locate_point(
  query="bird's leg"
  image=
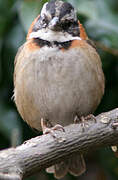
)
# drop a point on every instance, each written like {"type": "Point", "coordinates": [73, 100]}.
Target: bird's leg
{"type": "Point", "coordinates": [49, 129]}
{"type": "Point", "coordinates": [84, 123]}
{"type": "Point", "coordinates": [83, 120]}
{"type": "Point", "coordinates": [76, 119]}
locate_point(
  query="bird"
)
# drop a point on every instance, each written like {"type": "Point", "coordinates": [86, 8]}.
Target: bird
{"type": "Point", "coordinates": [57, 76]}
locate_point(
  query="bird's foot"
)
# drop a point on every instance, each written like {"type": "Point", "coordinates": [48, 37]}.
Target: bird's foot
{"type": "Point", "coordinates": [83, 120]}
{"type": "Point", "coordinates": [84, 123]}
{"type": "Point", "coordinates": [90, 117]}
{"type": "Point", "coordinates": [51, 130]}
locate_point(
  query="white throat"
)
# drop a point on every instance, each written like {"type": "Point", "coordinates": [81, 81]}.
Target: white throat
{"type": "Point", "coordinates": [49, 35]}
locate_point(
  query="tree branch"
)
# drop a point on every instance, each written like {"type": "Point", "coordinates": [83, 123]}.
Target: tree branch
{"type": "Point", "coordinates": [43, 151]}
{"type": "Point", "coordinates": [112, 51]}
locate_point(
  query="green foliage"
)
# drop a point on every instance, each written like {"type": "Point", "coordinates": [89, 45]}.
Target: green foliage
{"type": "Point", "coordinates": [101, 21]}
{"type": "Point", "coordinates": [100, 18]}
{"type": "Point", "coordinates": [29, 9]}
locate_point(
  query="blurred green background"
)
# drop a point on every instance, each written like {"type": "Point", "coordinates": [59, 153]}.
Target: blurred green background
{"type": "Point", "coordinates": [100, 18]}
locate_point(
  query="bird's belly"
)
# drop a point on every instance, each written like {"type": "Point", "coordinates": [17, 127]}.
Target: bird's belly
{"type": "Point", "coordinates": [58, 88]}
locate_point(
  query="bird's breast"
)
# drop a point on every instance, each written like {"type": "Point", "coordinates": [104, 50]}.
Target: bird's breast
{"type": "Point", "coordinates": [57, 85]}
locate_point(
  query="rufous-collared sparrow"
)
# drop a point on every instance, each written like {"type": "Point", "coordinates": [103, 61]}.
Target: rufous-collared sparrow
{"type": "Point", "coordinates": [58, 75]}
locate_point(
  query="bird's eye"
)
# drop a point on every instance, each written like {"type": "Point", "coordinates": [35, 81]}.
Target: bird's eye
{"type": "Point", "coordinates": [44, 22]}
{"type": "Point", "coordinates": [44, 19]}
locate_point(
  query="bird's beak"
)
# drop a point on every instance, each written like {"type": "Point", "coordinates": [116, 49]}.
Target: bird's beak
{"type": "Point", "coordinates": [54, 24]}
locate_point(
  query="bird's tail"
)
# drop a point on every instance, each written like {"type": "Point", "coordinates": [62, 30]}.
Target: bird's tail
{"type": "Point", "coordinates": [75, 166]}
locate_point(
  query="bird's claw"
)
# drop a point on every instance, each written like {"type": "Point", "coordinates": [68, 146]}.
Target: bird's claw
{"type": "Point", "coordinates": [83, 120]}
{"type": "Point", "coordinates": [51, 130]}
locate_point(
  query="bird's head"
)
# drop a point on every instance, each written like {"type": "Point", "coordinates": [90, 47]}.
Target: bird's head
{"type": "Point", "coordinates": [56, 16]}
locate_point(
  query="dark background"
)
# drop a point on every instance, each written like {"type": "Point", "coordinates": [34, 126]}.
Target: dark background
{"type": "Point", "coordinates": [100, 18]}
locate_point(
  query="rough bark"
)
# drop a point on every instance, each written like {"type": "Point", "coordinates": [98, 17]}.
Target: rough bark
{"type": "Point", "coordinates": [42, 151]}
